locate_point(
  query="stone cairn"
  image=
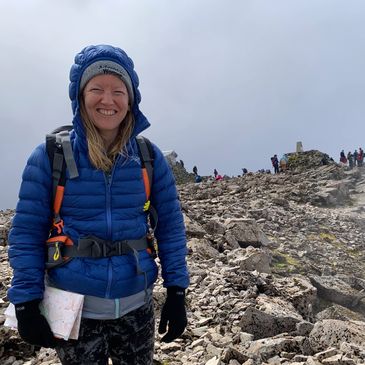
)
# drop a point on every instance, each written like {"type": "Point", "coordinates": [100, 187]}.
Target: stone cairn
{"type": "Point", "coordinates": [277, 272]}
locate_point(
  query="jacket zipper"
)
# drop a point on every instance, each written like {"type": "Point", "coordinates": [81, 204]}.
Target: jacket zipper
{"type": "Point", "coordinates": [108, 184]}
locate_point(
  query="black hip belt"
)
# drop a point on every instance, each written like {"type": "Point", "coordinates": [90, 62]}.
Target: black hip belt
{"type": "Point", "coordinates": [96, 247]}
{"type": "Point", "coordinates": [61, 249]}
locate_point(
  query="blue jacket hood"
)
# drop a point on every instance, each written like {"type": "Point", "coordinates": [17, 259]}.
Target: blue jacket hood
{"type": "Point", "coordinates": [85, 58]}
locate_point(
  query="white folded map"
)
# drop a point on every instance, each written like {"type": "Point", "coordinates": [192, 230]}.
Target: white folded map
{"type": "Point", "coordinates": [61, 308]}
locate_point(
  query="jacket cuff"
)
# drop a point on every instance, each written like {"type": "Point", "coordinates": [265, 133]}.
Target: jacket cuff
{"type": "Point", "coordinates": [175, 290]}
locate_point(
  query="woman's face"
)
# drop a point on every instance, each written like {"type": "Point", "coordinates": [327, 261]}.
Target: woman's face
{"type": "Point", "coordinates": [106, 104]}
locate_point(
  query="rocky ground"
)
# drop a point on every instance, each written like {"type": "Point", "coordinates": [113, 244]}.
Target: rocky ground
{"type": "Point", "coordinates": [277, 271]}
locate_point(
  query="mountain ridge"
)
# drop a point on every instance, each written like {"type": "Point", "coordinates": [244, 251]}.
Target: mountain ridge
{"type": "Point", "coordinates": [277, 270]}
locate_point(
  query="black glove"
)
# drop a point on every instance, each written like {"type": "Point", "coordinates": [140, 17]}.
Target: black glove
{"type": "Point", "coordinates": [33, 326]}
{"type": "Point", "coordinates": [173, 314]}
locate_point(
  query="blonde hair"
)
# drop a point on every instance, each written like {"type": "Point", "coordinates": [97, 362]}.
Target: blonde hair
{"type": "Point", "coordinates": [100, 158]}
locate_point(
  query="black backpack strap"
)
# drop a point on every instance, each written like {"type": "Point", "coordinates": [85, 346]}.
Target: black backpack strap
{"type": "Point", "coordinates": [63, 139]}
{"type": "Point", "coordinates": [60, 155]}
{"type": "Point", "coordinates": [145, 154]}
{"type": "Point", "coordinates": [56, 160]}
{"type": "Point", "coordinates": [145, 150]}
{"type": "Point", "coordinates": [59, 151]}
{"type": "Point", "coordinates": [67, 128]}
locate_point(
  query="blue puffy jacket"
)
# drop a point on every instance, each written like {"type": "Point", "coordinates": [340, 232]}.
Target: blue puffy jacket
{"type": "Point", "coordinates": [107, 206]}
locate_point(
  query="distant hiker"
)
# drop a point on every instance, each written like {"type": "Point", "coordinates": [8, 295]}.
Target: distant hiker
{"type": "Point", "coordinates": [284, 162]}
{"type": "Point", "coordinates": [100, 246]}
{"type": "Point", "coordinates": [195, 170]}
{"type": "Point", "coordinates": [275, 163]}
{"type": "Point", "coordinates": [343, 158]}
{"type": "Point", "coordinates": [350, 159]}
{"type": "Point", "coordinates": [215, 173]}
{"type": "Point", "coordinates": [355, 157]}
{"type": "Point", "coordinates": [244, 171]}
{"type": "Point", "coordinates": [360, 157]}
{"type": "Point", "coordinates": [218, 177]}
{"type": "Point", "coordinates": [198, 178]}
{"type": "Point", "coordinates": [182, 163]}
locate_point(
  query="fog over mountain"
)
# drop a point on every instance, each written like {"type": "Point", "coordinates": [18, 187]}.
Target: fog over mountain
{"type": "Point", "coordinates": [224, 84]}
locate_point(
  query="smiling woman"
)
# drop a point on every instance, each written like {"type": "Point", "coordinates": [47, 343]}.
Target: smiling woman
{"type": "Point", "coordinates": [106, 104]}
{"type": "Point", "coordinates": [105, 110]}
{"type": "Point", "coordinates": [105, 221]}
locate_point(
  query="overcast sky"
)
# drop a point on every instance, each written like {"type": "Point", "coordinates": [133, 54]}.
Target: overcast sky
{"type": "Point", "coordinates": [226, 84]}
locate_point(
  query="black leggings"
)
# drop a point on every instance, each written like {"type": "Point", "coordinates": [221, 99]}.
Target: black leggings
{"type": "Point", "coordinates": [128, 340]}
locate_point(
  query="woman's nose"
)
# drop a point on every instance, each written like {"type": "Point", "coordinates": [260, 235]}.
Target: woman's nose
{"type": "Point", "coordinates": [107, 97]}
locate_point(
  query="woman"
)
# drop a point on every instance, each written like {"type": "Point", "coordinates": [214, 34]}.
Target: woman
{"type": "Point", "coordinates": [105, 201]}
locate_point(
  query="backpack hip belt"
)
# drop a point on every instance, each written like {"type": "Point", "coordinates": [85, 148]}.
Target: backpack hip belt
{"type": "Point", "coordinates": [60, 249]}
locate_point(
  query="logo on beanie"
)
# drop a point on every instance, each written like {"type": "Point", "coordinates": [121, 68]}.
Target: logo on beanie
{"type": "Point", "coordinates": [109, 69]}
